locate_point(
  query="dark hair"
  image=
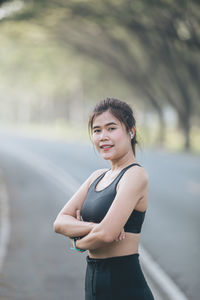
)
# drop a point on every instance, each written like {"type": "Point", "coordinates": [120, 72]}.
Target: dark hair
{"type": "Point", "coordinates": [121, 110]}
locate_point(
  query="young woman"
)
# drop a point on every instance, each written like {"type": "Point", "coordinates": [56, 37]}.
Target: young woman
{"type": "Point", "coordinates": [105, 215]}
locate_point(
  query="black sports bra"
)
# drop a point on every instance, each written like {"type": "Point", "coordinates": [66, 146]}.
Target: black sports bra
{"type": "Point", "coordinates": [97, 204]}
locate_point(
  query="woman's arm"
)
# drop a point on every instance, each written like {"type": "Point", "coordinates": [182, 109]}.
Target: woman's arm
{"type": "Point", "coordinates": [71, 227]}
{"type": "Point", "coordinates": [119, 238]}
{"type": "Point", "coordinates": [66, 222]}
{"type": "Point", "coordinates": [95, 239]}
{"type": "Point", "coordinates": [125, 201]}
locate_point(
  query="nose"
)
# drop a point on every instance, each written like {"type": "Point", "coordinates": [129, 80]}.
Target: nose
{"type": "Point", "coordinates": [103, 135]}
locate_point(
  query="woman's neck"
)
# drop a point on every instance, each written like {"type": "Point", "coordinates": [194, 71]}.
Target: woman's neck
{"type": "Point", "coordinates": [123, 162]}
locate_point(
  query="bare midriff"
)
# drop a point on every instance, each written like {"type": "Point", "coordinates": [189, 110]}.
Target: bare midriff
{"type": "Point", "coordinates": [129, 245]}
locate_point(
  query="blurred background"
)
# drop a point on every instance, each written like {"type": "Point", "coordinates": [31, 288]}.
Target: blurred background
{"type": "Point", "coordinates": [57, 59]}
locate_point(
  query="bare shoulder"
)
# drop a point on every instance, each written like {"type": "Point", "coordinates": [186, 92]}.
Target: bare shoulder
{"type": "Point", "coordinates": [137, 175]}
{"type": "Point", "coordinates": [141, 172]}
{"type": "Point", "coordinates": [96, 174]}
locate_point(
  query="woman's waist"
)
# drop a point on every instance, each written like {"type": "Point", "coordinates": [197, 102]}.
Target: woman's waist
{"type": "Point", "coordinates": [127, 246]}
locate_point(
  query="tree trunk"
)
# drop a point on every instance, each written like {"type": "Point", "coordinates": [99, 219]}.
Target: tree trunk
{"type": "Point", "coordinates": [161, 135]}
{"type": "Point", "coordinates": [186, 128]}
{"type": "Point", "coordinates": [184, 120]}
{"type": "Point", "coordinates": [162, 131]}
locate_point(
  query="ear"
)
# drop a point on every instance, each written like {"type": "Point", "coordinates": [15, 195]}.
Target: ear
{"type": "Point", "coordinates": [133, 130]}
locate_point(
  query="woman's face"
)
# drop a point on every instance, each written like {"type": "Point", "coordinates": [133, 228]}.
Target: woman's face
{"type": "Point", "coordinates": [110, 137]}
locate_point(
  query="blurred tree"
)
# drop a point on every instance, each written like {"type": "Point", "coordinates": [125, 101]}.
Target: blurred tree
{"type": "Point", "coordinates": [153, 45]}
{"type": "Point", "coordinates": [167, 35]}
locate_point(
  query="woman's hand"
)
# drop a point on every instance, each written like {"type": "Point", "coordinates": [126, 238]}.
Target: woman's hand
{"type": "Point", "coordinates": [78, 217]}
{"type": "Point", "coordinates": [121, 236]}
{"type": "Point", "coordinates": [78, 214]}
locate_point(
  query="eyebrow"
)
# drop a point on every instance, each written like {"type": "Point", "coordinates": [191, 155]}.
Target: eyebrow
{"type": "Point", "coordinates": [108, 124]}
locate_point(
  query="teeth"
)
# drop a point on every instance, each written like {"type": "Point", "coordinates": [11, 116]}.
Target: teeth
{"type": "Point", "coordinates": [106, 147]}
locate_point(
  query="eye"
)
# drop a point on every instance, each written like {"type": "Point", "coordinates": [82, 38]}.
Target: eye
{"type": "Point", "coordinates": [111, 128]}
{"type": "Point", "coordinates": [96, 130]}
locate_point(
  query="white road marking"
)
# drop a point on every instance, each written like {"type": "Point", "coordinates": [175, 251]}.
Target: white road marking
{"type": "Point", "coordinates": [56, 175]}
{"type": "Point", "coordinates": [67, 184]}
{"type": "Point", "coordinates": [160, 278]}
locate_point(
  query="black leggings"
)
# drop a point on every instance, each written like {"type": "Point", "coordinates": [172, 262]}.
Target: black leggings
{"type": "Point", "coordinates": [116, 278]}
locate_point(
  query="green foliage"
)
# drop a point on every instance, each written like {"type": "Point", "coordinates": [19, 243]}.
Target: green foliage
{"type": "Point", "coordinates": [151, 47]}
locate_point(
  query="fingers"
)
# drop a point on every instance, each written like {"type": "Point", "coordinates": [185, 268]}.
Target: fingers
{"type": "Point", "coordinates": [78, 214]}
{"type": "Point", "coordinates": [121, 236]}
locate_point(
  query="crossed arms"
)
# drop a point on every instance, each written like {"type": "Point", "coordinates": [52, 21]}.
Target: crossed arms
{"type": "Point", "coordinates": [110, 229]}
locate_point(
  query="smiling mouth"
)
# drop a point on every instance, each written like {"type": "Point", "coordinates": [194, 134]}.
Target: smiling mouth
{"type": "Point", "coordinates": [106, 147]}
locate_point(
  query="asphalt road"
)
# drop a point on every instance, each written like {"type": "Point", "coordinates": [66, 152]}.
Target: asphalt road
{"type": "Point", "coordinates": [39, 263]}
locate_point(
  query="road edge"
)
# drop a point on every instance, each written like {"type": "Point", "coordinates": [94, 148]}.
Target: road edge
{"type": "Point", "coordinates": [5, 226]}
{"type": "Point", "coordinates": [159, 279]}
